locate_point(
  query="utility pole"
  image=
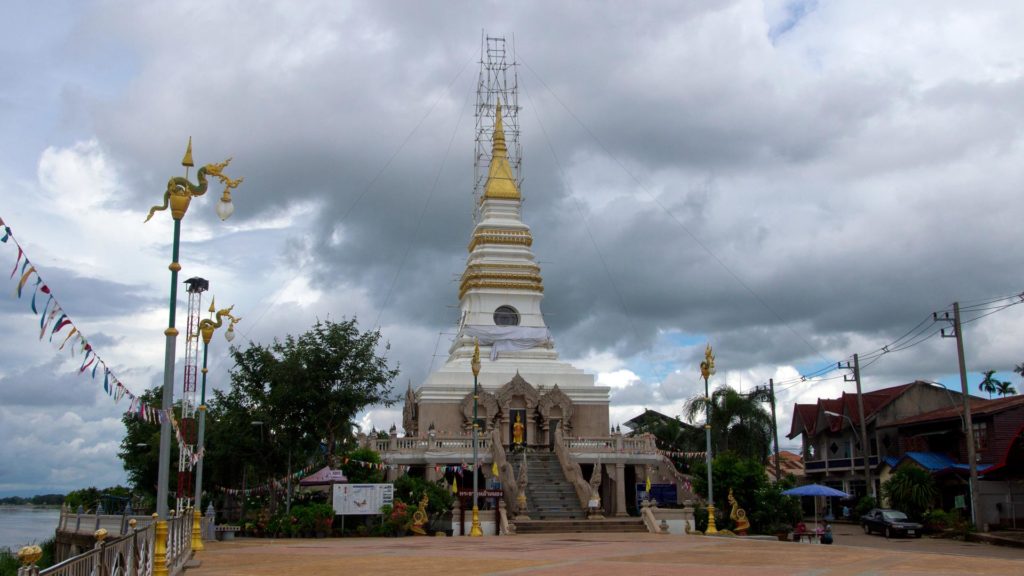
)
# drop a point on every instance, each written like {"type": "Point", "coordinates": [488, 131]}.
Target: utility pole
{"type": "Point", "coordinates": [760, 392]}
{"type": "Point", "coordinates": [968, 422]}
{"type": "Point", "coordinates": [865, 449]}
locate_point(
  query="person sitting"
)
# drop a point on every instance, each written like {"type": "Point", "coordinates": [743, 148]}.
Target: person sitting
{"type": "Point", "coordinates": [826, 537]}
{"type": "Point", "coordinates": [799, 531]}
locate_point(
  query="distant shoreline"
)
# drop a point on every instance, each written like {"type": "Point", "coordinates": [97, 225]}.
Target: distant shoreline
{"type": "Point", "coordinates": [48, 506]}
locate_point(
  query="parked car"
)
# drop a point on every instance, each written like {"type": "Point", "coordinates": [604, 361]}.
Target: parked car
{"type": "Point", "coordinates": [890, 523]}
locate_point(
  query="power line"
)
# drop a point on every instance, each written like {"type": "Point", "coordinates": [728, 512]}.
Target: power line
{"type": "Point", "coordinates": [583, 217]}
{"type": "Point", "coordinates": [423, 211]}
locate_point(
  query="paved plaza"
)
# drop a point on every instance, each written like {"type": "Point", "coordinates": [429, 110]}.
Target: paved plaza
{"type": "Point", "coordinates": [593, 554]}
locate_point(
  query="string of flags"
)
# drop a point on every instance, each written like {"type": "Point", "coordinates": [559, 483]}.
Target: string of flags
{"type": "Point", "coordinates": [454, 469]}
{"type": "Point", "coordinates": [61, 331]}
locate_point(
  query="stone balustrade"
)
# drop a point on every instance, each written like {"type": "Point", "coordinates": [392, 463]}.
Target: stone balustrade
{"type": "Point", "coordinates": [615, 443]}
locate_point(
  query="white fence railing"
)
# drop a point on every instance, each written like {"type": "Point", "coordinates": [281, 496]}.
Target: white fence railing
{"type": "Point", "coordinates": [128, 555]}
{"type": "Point", "coordinates": [135, 553]}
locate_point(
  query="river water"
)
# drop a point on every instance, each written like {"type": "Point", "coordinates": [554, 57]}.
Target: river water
{"type": "Point", "coordinates": [22, 525]}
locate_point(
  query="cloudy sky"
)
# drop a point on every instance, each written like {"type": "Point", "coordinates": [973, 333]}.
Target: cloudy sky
{"type": "Point", "coordinates": [794, 182]}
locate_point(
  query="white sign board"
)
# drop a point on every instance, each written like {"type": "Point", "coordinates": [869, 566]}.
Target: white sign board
{"type": "Point", "coordinates": [354, 499]}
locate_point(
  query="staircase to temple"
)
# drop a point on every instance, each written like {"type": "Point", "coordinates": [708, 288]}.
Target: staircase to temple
{"type": "Point", "coordinates": [548, 494]}
{"type": "Point", "coordinates": [629, 524]}
{"type": "Point", "coordinates": [553, 506]}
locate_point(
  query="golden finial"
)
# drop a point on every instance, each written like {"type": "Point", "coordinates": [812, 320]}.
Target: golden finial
{"type": "Point", "coordinates": [213, 307]}
{"type": "Point", "coordinates": [499, 131]}
{"type": "Point", "coordinates": [187, 160]}
{"type": "Point", "coordinates": [29, 555]}
{"type": "Point", "coordinates": [500, 182]}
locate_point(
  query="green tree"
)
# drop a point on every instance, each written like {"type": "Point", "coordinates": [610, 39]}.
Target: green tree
{"type": "Point", "coordinates": [140, 447]}
{"type": "Point", "coordinates": [313, 386]}
{"type": "Point", "coordinates": [355, 469]}
{"type": "Point", "coordinates": [745, 476]}
{"type": "Point", "coordinates": [739, 423]}
{"type": "Point", "coordinates": [910, 490]}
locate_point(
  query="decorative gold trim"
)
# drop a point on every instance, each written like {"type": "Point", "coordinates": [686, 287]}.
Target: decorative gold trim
{"type": "Point", "coordinates": [472, 267]}
{"type": "Point", "coordinates": [525, 281]}
{"type": "Point", "coordinates": [494, 236]}
{"type": "Point", "coordinates": [506, 285]}
{"type": "Point", "coordinates": [174, 267]}
{"type": "Point", "coordinates": [171, 332]}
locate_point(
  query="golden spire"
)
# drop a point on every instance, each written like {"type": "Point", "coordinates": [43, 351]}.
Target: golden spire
{"type": "Point", "coordinates": [187, 160]}
{"type": "Point", "coordinates": [500, 181]}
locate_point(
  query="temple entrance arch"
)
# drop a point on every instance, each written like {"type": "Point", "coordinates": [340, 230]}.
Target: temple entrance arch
{"type": "Point", "coordinates": [518, 395]}
{"type": "Point", "coordinates": [486, 408]}
{"type": "Point", "coordinates": [555, 409]}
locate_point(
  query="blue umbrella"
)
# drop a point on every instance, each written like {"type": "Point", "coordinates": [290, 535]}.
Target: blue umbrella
{"type": "Point", "coordinates": [815, 490]}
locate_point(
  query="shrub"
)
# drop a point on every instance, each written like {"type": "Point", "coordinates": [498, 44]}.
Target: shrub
{"type": "Point", "coordinates": [864, 505]}
{"type": "Point", "coordinates": [700, 519]}
{"type": "Point", "coordinates": [910, 490]}
{"type": "Point", "coordinates": [396, 518]}
{"type": "Point", "coordinates": [772, 510]}
{"type": "Point", "coordinates": [412, 488]}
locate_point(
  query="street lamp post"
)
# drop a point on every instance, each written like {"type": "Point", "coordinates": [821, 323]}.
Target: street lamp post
{"type": "Point", "coordinates": [475, 529]}
{"type": "Point", "coordinates": [206, 330]}
{"type": "Point", "coordinates": [869, 487]}
{"type": "Point", "coordinates": [707, 369]}
{"type": "Point", "coordinates": [178, 195]}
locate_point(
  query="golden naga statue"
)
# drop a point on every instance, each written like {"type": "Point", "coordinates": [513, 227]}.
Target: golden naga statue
{"type": "Point", "coordinates": [517, 431]}
{"type": "Point", "coordinates": [181, 189]}
{"type": "Point", "coordinates": [207, 326]}
{"type": "Point", "coordinates": [707, 367]}
{"type": "Point", "coordinates": [739, 516]}
{"type": "Point", "coordinates": [419, 517]}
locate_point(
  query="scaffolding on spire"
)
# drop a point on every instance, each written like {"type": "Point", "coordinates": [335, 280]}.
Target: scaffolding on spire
{"type": "Point", "coordinates": [196, 287]}
{"type": "Point", "coordinates": [498, 81]}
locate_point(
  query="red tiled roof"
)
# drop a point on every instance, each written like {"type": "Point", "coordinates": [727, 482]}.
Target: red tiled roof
{"type": "Point", "coordinates": [846, 405]}
{"type": "Point", "coordinates": [804, 417]}
{"type": "Point", "coordinates": [980, 407]}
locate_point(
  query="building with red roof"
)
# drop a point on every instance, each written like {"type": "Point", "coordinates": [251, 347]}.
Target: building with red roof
{"type": "Point", "coordinates": [935, 441]}
{"type": "Point", "coordinates": [830, 431]}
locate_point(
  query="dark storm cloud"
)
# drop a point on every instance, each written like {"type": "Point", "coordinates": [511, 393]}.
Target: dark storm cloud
{"type": "Point", "coordinates": [768, 199]}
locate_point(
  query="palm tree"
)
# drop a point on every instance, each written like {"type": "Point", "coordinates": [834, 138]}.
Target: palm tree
{"type": "Point", "coordinates": [1019, 369]}
{"type": "Point", "coordinates": [739, 423]}
{"type": "Point", "coordinates": [1005, 389]}
{"type": "Point", "coordinates": [989, 384]}
{"type": "Point", "coordinates": [911, 490]}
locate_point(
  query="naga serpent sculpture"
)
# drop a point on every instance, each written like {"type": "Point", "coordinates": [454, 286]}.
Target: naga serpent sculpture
{"type": "Point", "coordinates": [180, 187]}
{"type": "Point", "coordinates": [207, 326]}
{"type": "Point", "coordinates": [738, 515]}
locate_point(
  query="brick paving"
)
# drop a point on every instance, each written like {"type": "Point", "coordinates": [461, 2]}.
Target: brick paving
{"type": "Point", "coordinates": [580, 554]}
